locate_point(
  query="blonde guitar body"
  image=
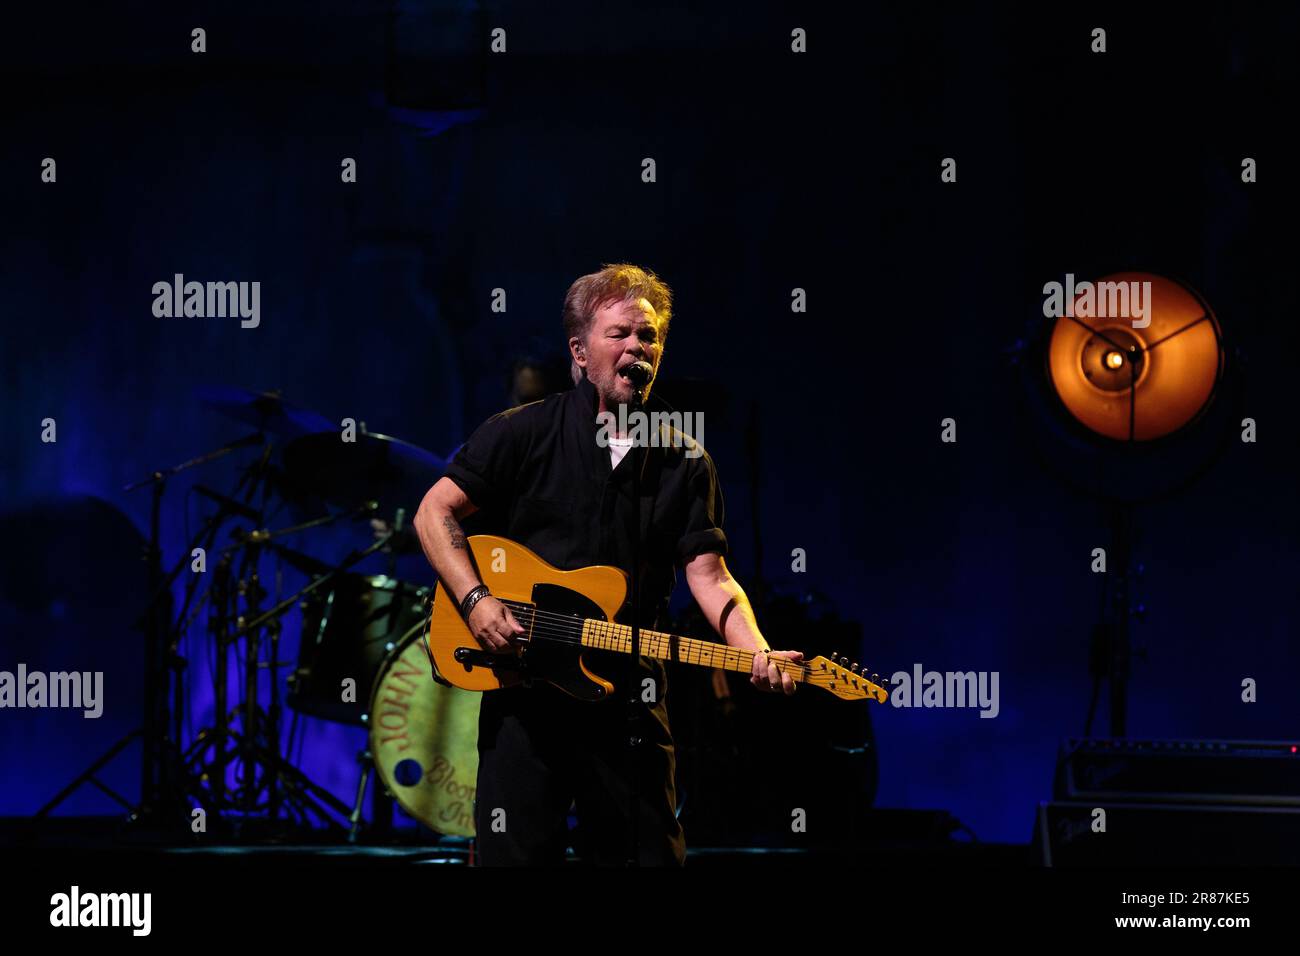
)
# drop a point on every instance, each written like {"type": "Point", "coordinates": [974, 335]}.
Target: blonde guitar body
{"type": "Point", "coordinates": [518, 577]}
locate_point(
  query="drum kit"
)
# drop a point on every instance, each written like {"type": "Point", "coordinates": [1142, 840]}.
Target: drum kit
{"type": "Point", "coordinates": [362, 657]}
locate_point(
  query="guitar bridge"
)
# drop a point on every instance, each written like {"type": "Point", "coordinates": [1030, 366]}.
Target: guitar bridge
{"type": "Point", "coordinates": [475, 657]}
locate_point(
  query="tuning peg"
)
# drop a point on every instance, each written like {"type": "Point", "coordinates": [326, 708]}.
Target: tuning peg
{"type": "Point", "coordinates": [854, 668]}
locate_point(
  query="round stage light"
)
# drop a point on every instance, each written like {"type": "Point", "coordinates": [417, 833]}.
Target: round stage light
{"type": "Point", "coordinates": [1136, 357]}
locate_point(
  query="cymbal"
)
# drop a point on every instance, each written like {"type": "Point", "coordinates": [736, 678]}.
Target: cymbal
{"type": "Point", "coordinates": [374, 467]}
{"type": "Point", "coordinates": [265, 411]}
{"type": "Point", "coordinates": [303, 562]}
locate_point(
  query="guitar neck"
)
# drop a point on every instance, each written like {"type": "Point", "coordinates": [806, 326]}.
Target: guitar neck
{"type": "Point", "coordinates": [607, 636]}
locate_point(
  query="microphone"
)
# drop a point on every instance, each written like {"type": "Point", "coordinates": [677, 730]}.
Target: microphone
{"type": "Point", "coordinates": [639, 373]}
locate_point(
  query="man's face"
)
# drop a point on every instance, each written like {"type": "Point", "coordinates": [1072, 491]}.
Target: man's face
{"type": "Point", "coordinates": [620, 334]}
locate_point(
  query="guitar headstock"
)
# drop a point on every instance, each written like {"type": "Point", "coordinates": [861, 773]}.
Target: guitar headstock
{"type": "Point", "coordinates": [845, 680]}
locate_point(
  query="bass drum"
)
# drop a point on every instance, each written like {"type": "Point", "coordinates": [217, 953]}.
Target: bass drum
{"type": "Point", "coordinates": [424, 740]}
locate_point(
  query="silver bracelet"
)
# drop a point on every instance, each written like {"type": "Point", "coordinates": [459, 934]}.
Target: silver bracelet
{"type": "Point", "coordinates": [472, 598]}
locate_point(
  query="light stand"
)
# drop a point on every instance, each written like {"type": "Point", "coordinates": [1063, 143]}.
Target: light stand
{"type": "Point", "coordinates": [1124, 412]}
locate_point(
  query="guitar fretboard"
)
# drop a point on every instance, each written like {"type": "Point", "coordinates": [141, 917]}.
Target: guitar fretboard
{"type": "Point", "coordinates": [606, 636]}
{"type": "Point", "coordinates": [542, 625]}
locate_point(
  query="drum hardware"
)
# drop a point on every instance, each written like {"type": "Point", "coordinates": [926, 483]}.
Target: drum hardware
{"type": "Point", "coordinates": [338, 601]}
{"type": "Point", "coordinates": [366, 760]}
{"type": "Point", "coordinates": [382, 802]}
{"type": "Point", "coordinates": [264, 536]}
{"type": "Point", "coordinates": [161, 787]}
{"type": "Point", "coordinates": [265, 782]}
{"type": "Point", "coordinates": [235, 765]}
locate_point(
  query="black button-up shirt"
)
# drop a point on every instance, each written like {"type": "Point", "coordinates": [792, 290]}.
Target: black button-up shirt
{"type": "Point", "coordinates": [542, 480]}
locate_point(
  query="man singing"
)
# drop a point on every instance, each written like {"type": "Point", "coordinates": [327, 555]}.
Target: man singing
{"type": "Point", "coordinates": [541, 478]}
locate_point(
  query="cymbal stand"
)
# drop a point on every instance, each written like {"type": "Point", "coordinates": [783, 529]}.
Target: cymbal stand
{"type": "Point", "coordinates": [253, 745]}
{"type": "Point", "coordinates": [161, 778]}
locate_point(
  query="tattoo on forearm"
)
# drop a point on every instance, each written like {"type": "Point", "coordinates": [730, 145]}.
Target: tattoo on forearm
{"type": "Point", "coordinates": [453, 531]}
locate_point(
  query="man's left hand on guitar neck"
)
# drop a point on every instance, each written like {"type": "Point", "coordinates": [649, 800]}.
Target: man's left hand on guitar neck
{"type": "Point", "coordinates": [727, 609]}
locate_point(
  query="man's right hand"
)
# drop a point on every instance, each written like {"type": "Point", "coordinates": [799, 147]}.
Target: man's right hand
{"type": "Point", "coordinates": [494, 626]}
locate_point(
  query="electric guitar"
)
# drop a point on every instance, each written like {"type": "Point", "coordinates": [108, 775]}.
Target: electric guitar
{"type": "Point", "coordinates": [565, 613]}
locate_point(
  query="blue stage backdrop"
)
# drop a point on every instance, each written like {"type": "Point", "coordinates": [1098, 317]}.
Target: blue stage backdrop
{"type": "Point", "coordinates": [773, 174]}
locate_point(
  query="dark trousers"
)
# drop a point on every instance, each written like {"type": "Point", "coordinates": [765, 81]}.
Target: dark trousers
{"type": "Point", "coordinates": [541, 751]}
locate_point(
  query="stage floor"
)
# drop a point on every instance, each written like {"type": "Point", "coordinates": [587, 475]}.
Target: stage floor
{"type": "Point", "coordinates": [103, 838]}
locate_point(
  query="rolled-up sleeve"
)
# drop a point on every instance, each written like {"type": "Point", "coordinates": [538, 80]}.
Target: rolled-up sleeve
{"type": "Point", "coordinates": [487, 465]}
{"type": "Point", "coordinates": [704, 513]}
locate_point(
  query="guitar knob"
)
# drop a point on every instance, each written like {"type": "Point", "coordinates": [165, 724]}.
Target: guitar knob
{"type": "Point", "coordinates": [854, 668]}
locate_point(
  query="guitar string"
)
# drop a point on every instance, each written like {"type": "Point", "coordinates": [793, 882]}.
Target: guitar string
{"type": "Point", "coordinates": [565, 628]}
{"type": "Point", "coordinates": [570, 632]}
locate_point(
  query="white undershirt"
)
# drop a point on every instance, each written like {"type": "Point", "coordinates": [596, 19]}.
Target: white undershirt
{"type": "Point", "coordinates": [617, 449]}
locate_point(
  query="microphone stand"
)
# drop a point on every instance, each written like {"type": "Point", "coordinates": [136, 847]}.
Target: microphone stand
{"type": "Point", "coordinates": [635, 706]}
